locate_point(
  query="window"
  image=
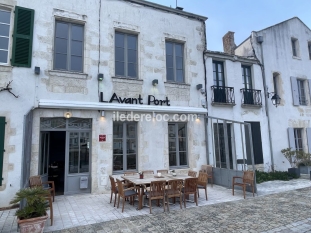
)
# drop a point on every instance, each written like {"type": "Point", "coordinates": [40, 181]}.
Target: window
{"type": "Point", "coordinates": [126, 55]}
{"type": "Point", "coordinates": [309, 49]}
{"type": "Point", "coordinates": [301, 92]}
{"type": "Point", "coordinates": [4, 35]}
{"type": "Point", "coordinates": [247, 77]}
{"type": "Point", "coordinates": [174, 62]}
{"type": "Point", "coordinates": [295, 49]}
{"type": "Point", "coordinates": [298, 139]}
{"type": "Point", "coordinates": [68, 47]}
{"type": "Point", "coordinates": [124, 146]}
{"type": "Point", "coordinates": [177, 140]}
{"type": "Point", "coordinates": [218, 73]}
{"type": "Point", "coordinates": [276, 83]}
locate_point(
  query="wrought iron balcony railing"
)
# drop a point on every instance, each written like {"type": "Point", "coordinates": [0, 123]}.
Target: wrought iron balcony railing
{"type": "Point", "coordinates": [223, 95]}
{"type": "Point", "coordinates": [251, 97]}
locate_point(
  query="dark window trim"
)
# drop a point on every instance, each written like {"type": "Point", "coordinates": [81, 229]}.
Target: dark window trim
{"type": "Point", "coordinates": [174, 60]}
{"type": "Point", "coordinates": [217, 73]}
{"type": "Point", "coordinates": [250, 83]}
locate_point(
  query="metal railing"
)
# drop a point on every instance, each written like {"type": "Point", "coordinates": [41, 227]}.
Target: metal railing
{"type": "Point", "coordinates": [251, 97]}
{"type": "Point", "coordinates": [223, 95]}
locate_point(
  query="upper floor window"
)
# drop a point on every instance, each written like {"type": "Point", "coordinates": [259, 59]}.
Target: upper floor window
{"type": "Point", "coordinates": [4, 35]}
{"type": "Point", "coordinates": [126, 55]}
{"type": "Point", "coordinates": [295, 47]}
{"type": "Point", "coordinates": [309, 49]}
{"type": "Point", "coordinates": [247, 77]}
{"type": "Point", "coordinates": [298, 139]}
{"type": "Point", "coordinates": [276, 83]}
{"type": "Point", "coordinates": [174, 62]}
{"type": "Point", "coordinates": [301, 92]}
{"type": "Point", "coordinates": [218, 73]}
{"type": "Point", "coordinates": [68, 47]}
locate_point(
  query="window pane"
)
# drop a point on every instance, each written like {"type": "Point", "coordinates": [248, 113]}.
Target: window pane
{"type": "Point", "coordinates": [60, 61]}
{"type": "Point", "coordinates": [84, 152]}
{"type": "Point", "coordinates": [77, 32]}
{"type": "Point", "coordinates": [131, 146]}
{"type": "Point", "coordinates": [219, 67]}
{"type": "Point", "coordinates": [119, 40]}
{"type": "Point", "coordinates": [117, 162]}
{"type": "Point", "coordinates": [76, 48]}
{"type": "Point", "coordinates": [73, 152]}
{"type": "Point", "coordinates": [179, 76]}
{"type": "Point", "coordinates": [76, 63]}
{"type": "Point", "coordinates": [131, 130]}
{"type": "Point", "coordinates": [118, 146]}
{"type": "Point", "coordinates": [170, 74]}
{"type": "Point", "coordinates": [172, 159]}
{"type": "Point", "coordinates": [61, 30]}
{"type": "Point", "coordinates": [119, 68]}
{"type": "Point", "coordinates": [132, 42]}
{"type": "Point", "coordinates": [169, 48]}
{"type": "Point", "coordinates": [181, 130]}
{"type": "Point", "coordinates": [179, 63]}
{"type": "Point", "coordinates": [132, 70]}
{"type": "Point", "coordinates": [214, 67]}
{"type": "Point", "coordinates": [61, 45]}
{"type": "Point", "coordinates": [169, 61]}
{"type": "Point", "coordinates": [4, 43]}
{"type": "Point", "coordinates": [119, 54]}
{"type": "Point", "coordinates": [117, 131]}
{"type": "Point", "coordinates": [182, 158]}
{"type": "Point", "coordinates": [3, 56]}
{"type": "Point", "coordinates": [178, 50]}
{"type": "Point", "coordinates": [131, 162]}
{"type": "Point", "coordinates": [4, 30]}
{"type": "Point", "coordinates": [131, 56]}
{"type": "Point", "coordinates": [172, 144]}
{"type": "Point", "coordinates": [5, 16]}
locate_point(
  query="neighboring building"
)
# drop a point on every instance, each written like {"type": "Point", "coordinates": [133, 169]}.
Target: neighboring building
{"type": "Point", "coordinates": [284, 51]}
{"type": "Point", "coordinates": [235, 92]}
{"type": "Point", "coordinates": [60, 126]}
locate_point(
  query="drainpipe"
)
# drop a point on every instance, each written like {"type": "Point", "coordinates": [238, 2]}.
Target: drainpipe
{"type": "Point", "coordinates": [260, 41]}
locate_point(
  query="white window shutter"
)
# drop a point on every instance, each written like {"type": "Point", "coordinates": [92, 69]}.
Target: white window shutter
{"type": "Point", "coordinates": [309, 82]}
{"type": "Point", "coordinates": [291, 138]}
{"type": "Point", "coordinates": [309, 139]}
{"type": "Point", "coordinates": [295, 90]}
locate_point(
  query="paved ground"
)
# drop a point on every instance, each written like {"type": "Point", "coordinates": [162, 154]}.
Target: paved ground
{"type": "Point", "coordinates": [221, 213]}
{"type": "Point", "coordinates": [282, 212]}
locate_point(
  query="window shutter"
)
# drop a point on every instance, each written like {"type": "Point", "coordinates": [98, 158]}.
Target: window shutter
{"type": "Point", "coordinates": [309, 82]}
{"type": "Point", "coordinates": [291, 138]}
{"type": "Point", "coordinates": [22, 37]}
{"type": "Point", "coordinates": [309, 139]}
{"type": "Point", "coordinates": [2, 128]}
{"type": "Point", "coordinates": [295, 91]}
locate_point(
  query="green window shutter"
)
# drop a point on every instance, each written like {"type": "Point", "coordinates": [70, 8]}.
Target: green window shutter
{"type": "Point", "coordinates": [2, 129]}
{"type": "Point", "coordinates": [22, 37]}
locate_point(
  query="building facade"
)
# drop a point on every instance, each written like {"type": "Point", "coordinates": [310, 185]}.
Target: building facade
{"type": "Point", "coordinates": [101, 89]}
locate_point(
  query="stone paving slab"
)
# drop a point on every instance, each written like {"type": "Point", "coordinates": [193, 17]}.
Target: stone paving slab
{"type": "Point", "coordinates": [283, 212]}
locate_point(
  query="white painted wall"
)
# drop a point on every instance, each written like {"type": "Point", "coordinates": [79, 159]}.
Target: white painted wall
{"type": "Point", "coordinates": [153, 28]}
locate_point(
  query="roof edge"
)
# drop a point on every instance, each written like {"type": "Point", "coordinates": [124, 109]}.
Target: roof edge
{"type": "Point", "coordinates": [168, 9]}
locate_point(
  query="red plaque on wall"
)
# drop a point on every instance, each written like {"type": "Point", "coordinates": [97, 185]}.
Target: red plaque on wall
{"type": "Point", "coordinates": [102, 137]}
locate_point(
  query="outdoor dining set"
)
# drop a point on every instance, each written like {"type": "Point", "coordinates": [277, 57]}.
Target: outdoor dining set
{"type": "Point", "coordinates": [163, 185]}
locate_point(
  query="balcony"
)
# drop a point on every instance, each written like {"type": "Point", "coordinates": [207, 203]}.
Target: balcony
{"type": "Point", "coordinates": [223, 95]}
{"type": "Point", "coordinates": [251, 98]}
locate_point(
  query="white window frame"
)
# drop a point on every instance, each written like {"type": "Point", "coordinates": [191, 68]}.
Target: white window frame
{"type": "Point", "coordinates": [9, 37]}
{"type": "Point", "coordinates": [174, 61]}
{"type": "Point", "coordinates": [298, 136]}
{"type": "Point", "coordinates": [302, 92]}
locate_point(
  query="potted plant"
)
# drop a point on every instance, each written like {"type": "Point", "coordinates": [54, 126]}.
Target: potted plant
{"type": "Point", "coordinates": [294, 158]}
{"type": "Point", "coordinates": [141, 175]}
{"type": "Point", "coordinates": [305, 164]}
{"type": "Point", "coordinates": [32, 217]}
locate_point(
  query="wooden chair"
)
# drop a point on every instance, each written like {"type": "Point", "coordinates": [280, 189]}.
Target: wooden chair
{"type": "Point", "coordinates": [35, 181]}
{"type": "Point", "coordinates": [192, 173]}
{"type": "Point", "coordinates": [164, 171]}
{"type": "Point", "coordinates": [125, 193]}
{"type": "Point", "coordinates": [202, 183]}
{"type": "Point", "coordinates": [114, 190]}
{"type": "Point", "coordinates": [208, 169]}
{"type": "Point", "coordinates": [190, 187]}
{"type": "Point", "coordinates": [146, 172]}
{"type": "Point", "coordinates": [246, 179]}
{"type": "Point", "coordinates": [174, 188]}
{"type": "Point", "coordinates": [157, 192]}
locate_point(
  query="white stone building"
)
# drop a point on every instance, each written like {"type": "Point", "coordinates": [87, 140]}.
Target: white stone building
{"type": "Point", "coordinates": [284, 50]}
{"type": "Point", "coordinates": [61, 126]}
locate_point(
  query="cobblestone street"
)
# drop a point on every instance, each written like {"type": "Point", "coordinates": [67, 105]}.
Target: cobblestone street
{"type": "Point", "coordinates": [283, 212]}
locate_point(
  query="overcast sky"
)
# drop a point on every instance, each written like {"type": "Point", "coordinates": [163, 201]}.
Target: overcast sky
{"type": "Point", "coordinates": [241, 16]}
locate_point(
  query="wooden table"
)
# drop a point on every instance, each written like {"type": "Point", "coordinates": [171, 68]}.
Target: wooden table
{"type": "Point", "coordinates": [147, 180]}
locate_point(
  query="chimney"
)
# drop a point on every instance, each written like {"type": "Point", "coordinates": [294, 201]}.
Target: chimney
{"type": "Point", "coordinates": [228, 43]}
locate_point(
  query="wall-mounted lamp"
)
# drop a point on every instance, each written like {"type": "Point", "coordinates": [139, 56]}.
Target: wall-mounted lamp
{"type": "Point", "coordinates": [199, 86]}
{"type": "Point", "coordinates": [100, 77]}
{"type": "Point", "coordinates": [102, 113]}
{"type": "Point", "coordinates": [37, 70]}
{"type": "Point", "coordinates": [67, 115]}
{"type": "Point", "coordinates": [154, 82]}
{"type": "Point", "coordinates": [276, 100]}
